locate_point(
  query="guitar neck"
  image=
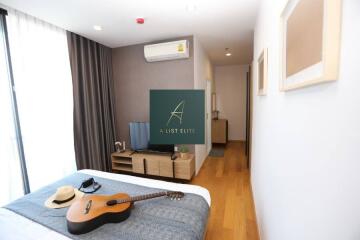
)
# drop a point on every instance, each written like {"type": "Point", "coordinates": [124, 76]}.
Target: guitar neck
{"type": "Point", "coordinates": [142, 197]}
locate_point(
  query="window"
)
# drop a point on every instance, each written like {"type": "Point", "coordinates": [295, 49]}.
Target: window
{"type": "Point", "coordinates": [42, 77]}
{"type": "Point", "coordinates": [42, 74]}
{"type": "Point", "coordinates": [10, 170]}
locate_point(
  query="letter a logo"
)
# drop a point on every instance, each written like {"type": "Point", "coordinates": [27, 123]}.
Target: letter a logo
{"type": "Point", "coordinates": [177, 113]}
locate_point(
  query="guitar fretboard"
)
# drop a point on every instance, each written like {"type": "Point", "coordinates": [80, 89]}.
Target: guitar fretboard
{"type": "Point", "coordinates": [142, 197]}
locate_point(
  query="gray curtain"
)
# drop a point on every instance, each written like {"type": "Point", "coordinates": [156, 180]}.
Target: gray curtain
{"type": "Point", "coordinates": [94, 128]}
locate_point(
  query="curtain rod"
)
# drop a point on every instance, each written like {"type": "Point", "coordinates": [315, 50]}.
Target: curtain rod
{"type": "Point", "coordinates": [3, 11]}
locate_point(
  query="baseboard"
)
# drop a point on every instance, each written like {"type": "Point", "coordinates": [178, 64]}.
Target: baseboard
{"type": "Point", "coordinates": [254, 205]}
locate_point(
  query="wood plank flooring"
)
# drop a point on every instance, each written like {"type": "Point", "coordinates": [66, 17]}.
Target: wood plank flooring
{"type": "Point", "coordinates": [232, 214]}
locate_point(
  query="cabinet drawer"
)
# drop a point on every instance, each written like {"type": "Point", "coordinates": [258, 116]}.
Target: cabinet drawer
{"type": "Point", "coordinates": [138, 164]}
{"type": "Point", "coordinates": [152, 166]}
{"type": "Point", "coordinates": [184, 169]}
{"type": "Point", "coordinates": [166, 168]}
{"type": "Point", "coordinates": [219, 131]}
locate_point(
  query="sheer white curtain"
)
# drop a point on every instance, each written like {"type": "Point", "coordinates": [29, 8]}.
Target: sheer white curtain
{"type": "Point", "coordinates": [43, 82]}
{"type": "Point", "coordinates": [10, 171]}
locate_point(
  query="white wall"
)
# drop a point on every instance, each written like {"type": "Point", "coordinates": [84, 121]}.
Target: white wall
{"type": "Point", "coordinates": [202, 73]}
{"type": "Point", "coordinates": [306, 143]}
{"type": "Point", "coordinates": [230, 82]}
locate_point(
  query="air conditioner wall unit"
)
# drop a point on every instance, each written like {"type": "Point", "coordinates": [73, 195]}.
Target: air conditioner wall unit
{"type": "Point", "coordinates": [166, 51]}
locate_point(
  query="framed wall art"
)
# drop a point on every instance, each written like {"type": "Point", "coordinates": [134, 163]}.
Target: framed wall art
{"type": "Point", "coordinates": [213, 102]}
{"type": "Point", "coordinates": [310, 42]}
{"type": "Point", "coordinates": [262, 72]}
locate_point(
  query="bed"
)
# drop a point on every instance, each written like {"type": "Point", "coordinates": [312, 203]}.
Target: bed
{"type": "Point", "coordinates": [14, 225]}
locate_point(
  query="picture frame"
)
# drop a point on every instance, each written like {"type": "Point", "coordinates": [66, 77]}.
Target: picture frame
{"type": "Point", "coordinates": [213, 102]}
{"type": "Point", "coordinates": [262, 72]}
{"type": "Point", "coordinates": [310, 43]}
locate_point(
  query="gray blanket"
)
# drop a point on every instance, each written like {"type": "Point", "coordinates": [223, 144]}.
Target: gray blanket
{"type": "Point", "coordinates": [152, 219]}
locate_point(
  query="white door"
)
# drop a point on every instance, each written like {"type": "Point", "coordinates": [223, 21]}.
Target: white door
{"type": "Point", "coordinates": [208, 116]}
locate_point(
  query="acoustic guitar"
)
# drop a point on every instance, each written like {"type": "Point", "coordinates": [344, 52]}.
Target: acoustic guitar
{"type": "Point", "coordinates": [92, 211]}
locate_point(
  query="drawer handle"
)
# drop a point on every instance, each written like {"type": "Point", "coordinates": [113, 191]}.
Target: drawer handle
{"type": "Point", "coordinates": [144, 162]}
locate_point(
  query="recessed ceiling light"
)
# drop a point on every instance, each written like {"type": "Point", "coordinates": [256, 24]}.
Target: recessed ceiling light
{"type": "Point", "coordinates": [227, 53]}
{"type": "Point", "coordinates": [97, 27]}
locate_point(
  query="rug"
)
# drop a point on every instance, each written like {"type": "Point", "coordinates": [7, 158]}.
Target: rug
{"type": "Point", "coordinates": [217, 151]}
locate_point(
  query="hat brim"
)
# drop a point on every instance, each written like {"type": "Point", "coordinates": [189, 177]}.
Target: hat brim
{"type": "Point", "coordinates": [50, 204]}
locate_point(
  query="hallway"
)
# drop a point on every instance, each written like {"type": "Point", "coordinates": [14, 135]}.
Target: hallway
{"type": "Point", "coordinates": [232, 214]}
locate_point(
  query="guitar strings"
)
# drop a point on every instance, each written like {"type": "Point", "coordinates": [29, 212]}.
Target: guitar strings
{"type": "Point", "coordinates": [147, 196]}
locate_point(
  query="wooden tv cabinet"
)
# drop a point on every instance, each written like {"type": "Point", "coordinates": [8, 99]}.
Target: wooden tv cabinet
{"type": "Point", "coordinates": [153, 164]}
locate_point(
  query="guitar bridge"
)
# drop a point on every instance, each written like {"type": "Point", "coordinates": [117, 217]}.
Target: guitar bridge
{"type": "Point", "coordinates": [88, 206]}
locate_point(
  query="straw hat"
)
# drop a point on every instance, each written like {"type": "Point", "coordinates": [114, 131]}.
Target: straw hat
{"type": "Point", "coordinates": [63, 197]}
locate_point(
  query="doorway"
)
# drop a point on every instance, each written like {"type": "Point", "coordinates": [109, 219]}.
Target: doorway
{"type": "Point", "coordinates": [248, 117]}
{"type": "Point", "coordinates": [208, 92]}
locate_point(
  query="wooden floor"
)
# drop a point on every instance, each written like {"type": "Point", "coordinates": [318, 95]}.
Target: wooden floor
{"type": "Point", "coordinates": [232, 214]}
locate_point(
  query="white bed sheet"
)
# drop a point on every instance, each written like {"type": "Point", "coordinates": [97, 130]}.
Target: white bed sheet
{"type": "Point", "coordinates": [16, 227]}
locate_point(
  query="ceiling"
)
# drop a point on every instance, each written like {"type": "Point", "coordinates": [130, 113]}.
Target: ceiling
{"type": "Point", "coordinates": [218, 24]}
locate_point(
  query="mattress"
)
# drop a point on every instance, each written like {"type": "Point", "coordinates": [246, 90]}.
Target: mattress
{"type": "Point", "coordinates": [14, 226]}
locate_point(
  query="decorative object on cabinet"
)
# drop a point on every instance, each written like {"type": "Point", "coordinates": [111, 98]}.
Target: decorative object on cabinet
{"type": "Point", "coordinates": [184, 152]}
{"type": "Point", "coordinates": [120, 146]}
{"type": "Point", "coordinates": [310, 42]}
{"type": "Point", "coordinates": [262, 72]}
{"type": "Point", "coordinates": [215, 115]}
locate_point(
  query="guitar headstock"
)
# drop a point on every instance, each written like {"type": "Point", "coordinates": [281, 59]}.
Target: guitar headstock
{"type": "Point", "coordinates": [175, 195]}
